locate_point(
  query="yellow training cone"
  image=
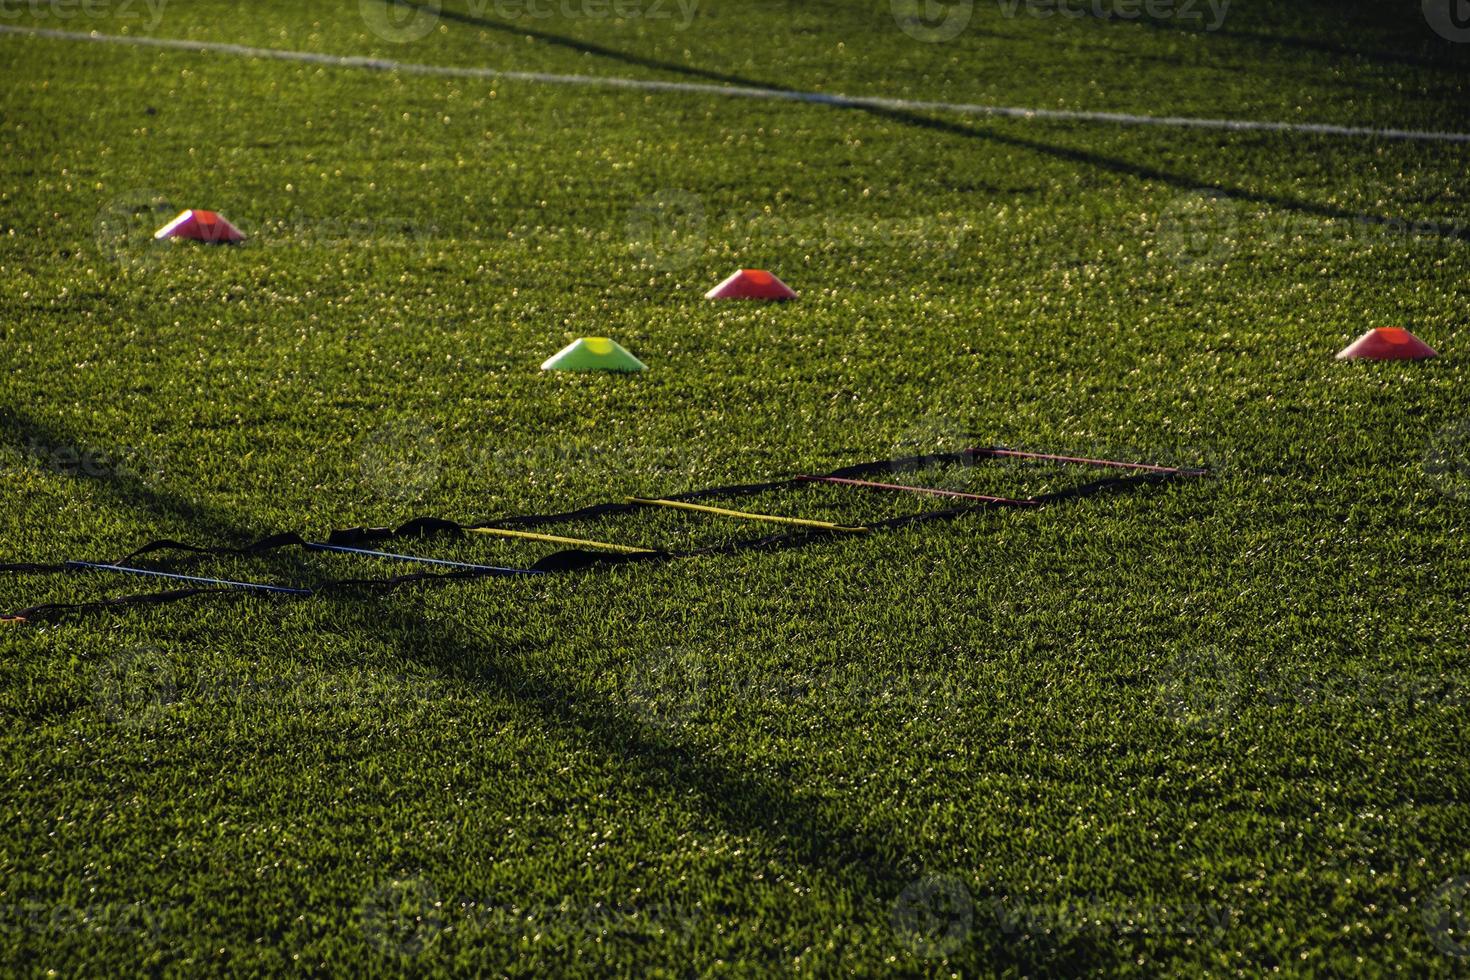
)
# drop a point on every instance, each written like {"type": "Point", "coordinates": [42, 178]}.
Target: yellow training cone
{"type": "Point", "coordinates": [593, 354]}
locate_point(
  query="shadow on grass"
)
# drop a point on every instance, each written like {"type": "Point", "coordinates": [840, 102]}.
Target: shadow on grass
{"type": "Point", "coordinates": [811, 834]}
{"type": "Point", "coordinates": [60, 451]}
{"type": "Point", "coordinates": [949, 127]}
{"type": "Point", "coordinates": [1316, 45]}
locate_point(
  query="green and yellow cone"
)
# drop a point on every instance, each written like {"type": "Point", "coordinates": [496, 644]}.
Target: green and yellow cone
{"type": "Point", "coordinates": [593, 354]}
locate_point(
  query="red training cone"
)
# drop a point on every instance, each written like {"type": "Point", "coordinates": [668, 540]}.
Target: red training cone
{"type": "Point", "coordinates": [201, 226]}
{"type": "Point", "coordinates": [752, 284]}
{"type": "Point", "coordinates": [1387, 344]}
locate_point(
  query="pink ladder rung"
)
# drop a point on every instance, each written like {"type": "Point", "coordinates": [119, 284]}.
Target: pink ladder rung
{"type": "Point", "coordinates": [1052, 457]}
{"type": "Point", "coordinates": [933, 491]}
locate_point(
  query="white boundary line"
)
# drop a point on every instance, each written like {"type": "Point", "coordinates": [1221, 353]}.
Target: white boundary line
{"type": "Point", "coordinates": [736, 91]}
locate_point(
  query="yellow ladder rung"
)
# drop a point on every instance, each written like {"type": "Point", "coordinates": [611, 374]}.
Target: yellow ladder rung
{"type": "Point", "coordinates": [503, 532]}
{"type": "Point", "coordinates": [744, 515]}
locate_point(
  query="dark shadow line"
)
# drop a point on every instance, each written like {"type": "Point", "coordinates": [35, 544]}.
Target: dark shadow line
{"type": "Point", "coordinates": [592, 48]}
{"type": "Point", "coordinates": [1402, 226]}
{"type": "Point", "coordinates": [1115, 165]}
{"type": "Point", "coordinates": [1195, 27]}
{"type": "Point", "coordinates": [581, 47]}
{"type": "Point", "coordinates": [49, 444]}
{"type": "Point", "coordinates": [871, 862]}
{"type": "Point", "coordinates": [1303, 44]}
{"type": "Point", "coordinates": [748, 803]}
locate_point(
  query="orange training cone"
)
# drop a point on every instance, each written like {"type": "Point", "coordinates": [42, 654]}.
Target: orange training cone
{"type": "Point", "coordinates": [752, 284]}
{"type": "Point", "coordinates": [1387, 344]}
{"type": "Point", "coordinates": [201, 226]}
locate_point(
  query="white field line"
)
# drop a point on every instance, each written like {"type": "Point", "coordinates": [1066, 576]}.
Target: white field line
{"type": "Point", "coordinates": [738, 91]}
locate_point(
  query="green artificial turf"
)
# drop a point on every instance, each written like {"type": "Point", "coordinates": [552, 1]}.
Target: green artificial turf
{"type": "Point", "coordinates": [1212, 726]}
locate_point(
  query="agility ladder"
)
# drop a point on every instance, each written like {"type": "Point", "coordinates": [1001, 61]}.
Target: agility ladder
{"type": "Point", "coordinates": [581, 553]}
